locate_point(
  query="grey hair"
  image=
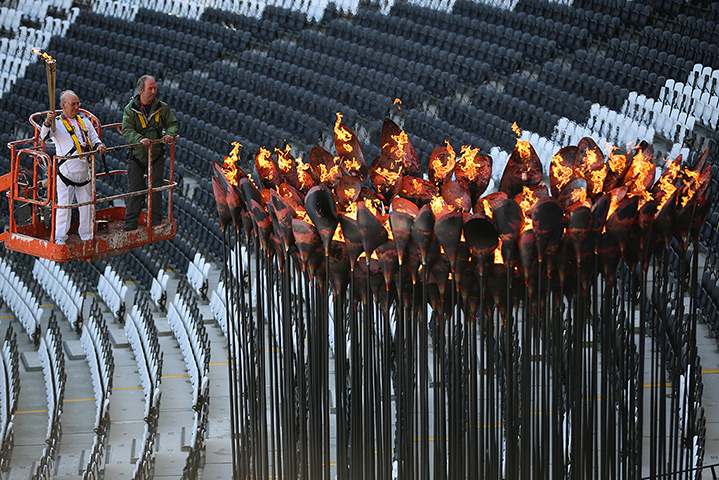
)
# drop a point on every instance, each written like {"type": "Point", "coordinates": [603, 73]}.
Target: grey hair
{"type": "Point", "coordinates": [141, 81]}
{"type": "Point", "coordinates": [65, 93]}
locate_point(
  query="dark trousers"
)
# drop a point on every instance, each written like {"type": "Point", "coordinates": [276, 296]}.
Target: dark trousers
{"type": "Point", "coordinates": [135, 182]}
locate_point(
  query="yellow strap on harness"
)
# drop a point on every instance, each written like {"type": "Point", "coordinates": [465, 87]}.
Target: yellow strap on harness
{"type": "Point", "coordinates": [144, 123]}
{"type": "Point", "coordinates": [71, 132]}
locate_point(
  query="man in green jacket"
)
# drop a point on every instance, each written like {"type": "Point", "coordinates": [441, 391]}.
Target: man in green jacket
{"type": "Point", "coordinates": [144, 119]}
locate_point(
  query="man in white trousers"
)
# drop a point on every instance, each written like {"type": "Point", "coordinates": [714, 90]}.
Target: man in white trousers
{"type": "Point", "coordinates": [72, 135]}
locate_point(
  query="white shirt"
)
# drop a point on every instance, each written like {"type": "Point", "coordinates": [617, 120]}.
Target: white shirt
{"type": "Point", "coordinates": [76, 168]}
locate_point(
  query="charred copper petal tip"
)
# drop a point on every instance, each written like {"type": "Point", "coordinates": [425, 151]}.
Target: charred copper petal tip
{"type": "Point", "coordinates": [456, 196]}
{"type": "Point", "coordinates": [527, 252]}
{"type": "Point", "coordinates": [262, 221]}
{"type": "Point", "coordinates": [482, 238]}
{"type": "Point", "coordinates": [388, 260]}
{"type": "Point", "coordinates": [371, 230]}
{"type": "Point", "coordinates": [353, 238]}
{"type": "Point", "coordinates": [284, 214]}
{"type": "Point", "coordinates": [508, 218]}
{"type": "Point", "coordinates": [290, 192]}
{"type": "Point", "coordinates": [236, 205]}
{"type": "Point", "coordinates": [401, 224]}
{"type": "Point", "coordinates": [321, 208]}
{"type": "Point", "coordinates": [423, 231]}
{"type": "Point", "coordinates": [579, 231]}
{"type": "Point", "coordinates": [306, 238]}
{"type": "Point", "coordinates": [249, 192]}
{"type": "Point", "coordinates": [223, 210]}
{"type": "Point", "coordinates": [619, 223]}
{"type": "Point", "coordinates": [339, 265]}
{"type": "Point", "coordinates": [548, 223]}
{"type": "Point", "coordinates": [448, 230]}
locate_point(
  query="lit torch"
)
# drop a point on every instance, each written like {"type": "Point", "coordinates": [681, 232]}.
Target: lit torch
{"type": "Point", "coordinates": [50, 71]}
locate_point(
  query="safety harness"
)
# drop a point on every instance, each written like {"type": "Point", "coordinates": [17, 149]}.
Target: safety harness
{"type": "Point", "coordinates": [76, 148]}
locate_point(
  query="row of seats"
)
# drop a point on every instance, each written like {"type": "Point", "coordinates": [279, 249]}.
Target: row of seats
{"type": "Point", "coordinates": [197, 275]}
{"type": "Point", "coordinates": [52, 360]}
{"type": "Point", "coordinates": [9, 393]}
{"type": "Point", "coordinates": [187, 325]}
{"type": "Point", "coordinates": [229, 38]}
{"type": "Point", "coordinates": [95, 342]}
{"type": "Point", "coordinates": [113, 291]}
{"type": "Point", "coordinates": [148, 36]}
{"type": "Point", "coordinates": [67, 293]}
{"type": "Point", "coordinates": [142, 335]}
{"type": "Point", "coordinates": [474, 34]}
{"type": "Point", "coordinates": [22, 295]}
{"type": "Point", "coordinates": [311, 69]}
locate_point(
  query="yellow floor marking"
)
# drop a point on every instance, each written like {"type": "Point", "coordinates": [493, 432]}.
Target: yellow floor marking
{"type": "Point", "coordinates": [20, 412]}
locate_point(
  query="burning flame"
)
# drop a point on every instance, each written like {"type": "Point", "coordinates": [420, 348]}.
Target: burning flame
{"type": "Point", "coordinates": [264, 157]}
{"type": "Point", "coordinates": [666, 184]}
{"type": "Point", "coordinates": [487, 209]}
{"type": "Point", "coordinates": [342, 132]}
{"type": "Point", "coordinates": [617, 162]}
{"type": "Point", "coordinates": [387, 226]}
{"type": "Point", "coordinates": [690, 180]}
{"type": "Point", "coordinates": [523, 146]}
{"type": "Point", "coordinates": [562, 174]}
{"type": "Point", "coordinates": [402, 141]}
{"type": "Point", "coordinates": [351, 210]}
{"type": "Point", "coordinates": [389, 175]}
{"type": "Point", "coordinates": [498, 258]}
{"type": "Point", "coordinates": [638, 171]}
{"type": "Point", "coordinates": [351, 164]}
{"type": "Point", "coordinates": [326, 174]}
{"type": "Point", "coordinates": [284, 160]}
{"type": "Point", "coordinates": [397, 102]}
{"type": "Point", "coordinates": [338, 235]}
{"type": "Point", "coordinates": [526, 204]}
{"type": "Point", "coordinates": [438, 206]}
{"type": "Point", "coordinates": [466, 161]}
{"type": "Point", "coordinates": [597, 178]}
{"type": "Point", "coordinates": [578, 195]}
{"type": "Point", "coordinates": [230, 168]}
{"type": "Point", "coordinates": [43, 55]}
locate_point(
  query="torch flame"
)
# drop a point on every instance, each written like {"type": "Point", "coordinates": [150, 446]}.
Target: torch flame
{"type": "Point", "coordinates": [284, 160]}
{"type": "Point", "coordinates": [597, 178]}
{"type": "Point", "coordinates": [526, 204]}
{"type": "Point", "coordinates": [487, 209]}
{"type": "Point", "coordinates": [438, 206]}
{"type": "Point", "coordinates": [523, 146]}
{"type": "Point", "coordinates": [617, 162]}
{"type": "Point", "coordinates": [666, 184]}
{"type": "Point", "coordinates": [390, 175]}
{"type": "Point", "coordinates": [498, 258]}
{"type": "Point", "coordinates": [342, 132]}
{"type": "Point", "coordinates": [466, 162]}
{"type": "Point", "coordinates": [351, 164]}
{"type": "Point", "coordinates": [43, 55]}
{"type": "Point", "coordinates": [326, 174]}
{"type": "Point", "coordinates": [230, 165]}
{"type": "Point", "coordinates": [690, 180]}
{"type": "Point", "coordinates": [562, 174]}
{"type": "Point", "coordinates": [263, 157]}
{"type": "Point", "coordinates": [397, 102]}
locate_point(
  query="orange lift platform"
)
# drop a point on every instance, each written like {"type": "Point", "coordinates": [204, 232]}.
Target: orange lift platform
{"type": "Point", "coordinates": [30, 189]}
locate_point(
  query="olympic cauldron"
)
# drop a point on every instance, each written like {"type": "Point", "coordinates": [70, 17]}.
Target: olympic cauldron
{"type": "Point", "coordinates": [388, 322]}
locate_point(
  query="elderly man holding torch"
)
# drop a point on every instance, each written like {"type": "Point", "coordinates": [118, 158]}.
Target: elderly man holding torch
{"type": "Point", "coordinates": [72, 136]}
